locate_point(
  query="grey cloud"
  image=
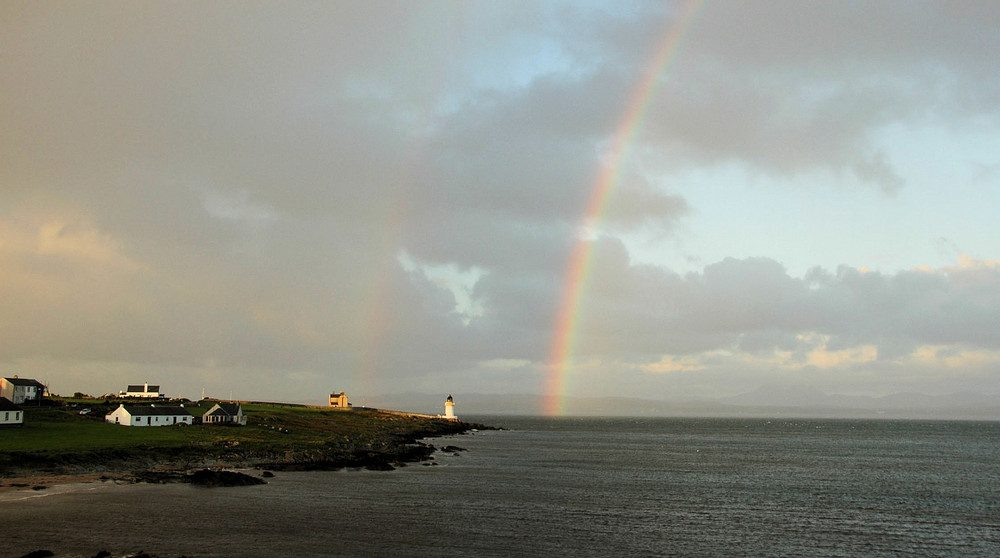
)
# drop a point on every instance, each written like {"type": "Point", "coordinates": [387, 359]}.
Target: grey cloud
{"type": "Point", "coordinates": [879, 171]}
{"type": "Point", "coordinates": [787, 88]}
{"type": "Point", "coordinates": [754, 305]}
{"type": "Point", "coordinates": [259, 168]}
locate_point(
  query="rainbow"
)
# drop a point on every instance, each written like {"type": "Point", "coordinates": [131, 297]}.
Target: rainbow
{"type": "Point", "coordinates": [578, 267]}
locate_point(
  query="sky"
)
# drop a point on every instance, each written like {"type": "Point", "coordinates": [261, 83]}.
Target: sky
{"type": "Point", "coordinates": [276, 200]}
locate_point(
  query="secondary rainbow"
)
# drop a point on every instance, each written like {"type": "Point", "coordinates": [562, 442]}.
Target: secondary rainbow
{"type": "Point", "coordinates": [578, 267]}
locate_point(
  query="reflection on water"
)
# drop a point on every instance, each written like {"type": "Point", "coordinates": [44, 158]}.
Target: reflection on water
{"type": "Point", "coordinates": [588, 487]}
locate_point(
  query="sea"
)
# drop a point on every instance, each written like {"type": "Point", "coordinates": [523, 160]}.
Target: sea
{"type": "Point", "coordinates": [573, 487]}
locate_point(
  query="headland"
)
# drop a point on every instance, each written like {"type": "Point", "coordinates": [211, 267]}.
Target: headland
{"type": "Point", "coordinates": [72, 442]}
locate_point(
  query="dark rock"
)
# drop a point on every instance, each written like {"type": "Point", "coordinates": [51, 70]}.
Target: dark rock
{"type": "Point", "coordinates": [158, 477]}
{"type": "Point", "coordinates": [209, 478]}
{"type": "Point", "coordinates": [39, 487]}
{"type": "Point", "coordinates": [379, 467]}
{"type": "Point", "coordinates": [103, 554]}
{"type": "Point", "coordinates": [267, 474]}
{"type": "Point", "coordinates": [452, 449]}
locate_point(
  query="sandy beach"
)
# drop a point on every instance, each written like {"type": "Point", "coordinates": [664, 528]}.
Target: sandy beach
{"type": "Point", "coordinates": [34, 483]}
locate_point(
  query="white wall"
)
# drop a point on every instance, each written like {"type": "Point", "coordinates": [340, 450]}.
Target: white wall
{"type": "Point", "coordinates": [17, 394]}
{"type": "Point", "coordinates": [119, 414]}
{"type": "Point", "coordinates": [11, 417]}
{"type": "Point", "coordinates": [140, 420]}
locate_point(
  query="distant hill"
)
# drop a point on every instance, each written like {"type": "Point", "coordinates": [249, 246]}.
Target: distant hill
{"type": "Point", "coordinates": [767, 401]}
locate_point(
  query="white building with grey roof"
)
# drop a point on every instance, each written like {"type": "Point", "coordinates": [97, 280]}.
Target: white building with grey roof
{"type": "Point", "coordinates": [19, 390]}
{"type": "Point", "coordinates": [143, 391]}
{"type": "Point", "coordinates": [149, 415]}
{"type": "Point", "coordinates": [225, 413]}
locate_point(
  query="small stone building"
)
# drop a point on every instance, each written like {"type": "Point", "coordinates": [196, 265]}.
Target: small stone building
{"type": "Point", "coordinates": [339, 400]}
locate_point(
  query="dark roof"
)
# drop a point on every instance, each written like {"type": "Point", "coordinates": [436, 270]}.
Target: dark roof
{"type": "Point", "coordinates": [8, 405]}
{"type": "Point", "coordinates": [157, 410]}
{"type": "Point", "coordinates": [142, 389]}
{"type": "Point", "coordinates": [231, 409]}
{"type": "Point", "coordinates": [24, 382]}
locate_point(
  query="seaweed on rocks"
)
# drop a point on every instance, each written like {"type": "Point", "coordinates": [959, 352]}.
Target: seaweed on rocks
{"type": "Point", "coordinates": [210, 478]}
{"type": "Point", "coordinates": [202, 477]}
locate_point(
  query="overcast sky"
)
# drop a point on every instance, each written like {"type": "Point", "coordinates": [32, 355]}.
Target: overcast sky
{"type": "Point", "coordinates": [278, 200]}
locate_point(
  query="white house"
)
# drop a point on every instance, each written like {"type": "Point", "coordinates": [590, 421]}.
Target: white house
{"type": "Point", "coordinates": [10, 413]}
{"type": "Point", "coordinates": [19, 390]}
{"type": "Point", "coordinates": [225, 413]}
{"type": "Point", "coordinates": [144, 390]}
{"type": "Point", "coordinates": [149, 415]}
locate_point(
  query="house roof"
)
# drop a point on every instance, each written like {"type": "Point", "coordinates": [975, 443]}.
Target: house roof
{"type": "Point", "coordinates": [155, 410]}
{"type": "Point", "coordinates": [24, 382]}
{"type": "Point", "coordinates": [142, 388]}
{"type": "Point", "coordinates": [8, 405]}
{"type": "Point", "coordinates": [231, 409]}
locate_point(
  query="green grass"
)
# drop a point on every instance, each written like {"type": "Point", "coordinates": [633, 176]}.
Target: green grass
{"type": "Point", "coordinates": [56, 430]}
{"type": "Point", "coordinates": [271, 427]}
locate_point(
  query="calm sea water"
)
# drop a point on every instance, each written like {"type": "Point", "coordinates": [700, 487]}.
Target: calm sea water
{"type": "Point", "coordinates": [576, 487]}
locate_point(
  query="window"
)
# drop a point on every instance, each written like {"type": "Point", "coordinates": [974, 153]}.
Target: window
{"type": "Point", "coordinates": [6, 416]}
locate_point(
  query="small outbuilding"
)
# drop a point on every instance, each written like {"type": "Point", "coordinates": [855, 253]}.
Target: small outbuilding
{"type": "Point", "coordinates": [149, 415]}
{"type": "Point", "coordinates": [10, 414]}
{"type": "Point", "coordinates": [225, 413]}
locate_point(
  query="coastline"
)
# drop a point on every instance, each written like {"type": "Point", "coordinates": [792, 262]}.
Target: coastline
{"type": "Point", "coordinates": [41, 481]}
{"type": "Point", "coordinates": [283, 438]}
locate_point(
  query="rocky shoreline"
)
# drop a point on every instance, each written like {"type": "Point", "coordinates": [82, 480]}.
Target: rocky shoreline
{"type": "Point", "coordinates": [214, 468]}
{"type": "Point", "coordinates": [100, 554]}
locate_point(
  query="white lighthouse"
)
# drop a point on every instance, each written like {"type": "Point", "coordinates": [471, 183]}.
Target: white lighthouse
{"type": "Point", "coordinates": [449, 409]}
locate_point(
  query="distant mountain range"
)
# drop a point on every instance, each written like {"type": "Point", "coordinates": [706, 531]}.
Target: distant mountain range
{"type": "Point", "coordinates": [768, 401]}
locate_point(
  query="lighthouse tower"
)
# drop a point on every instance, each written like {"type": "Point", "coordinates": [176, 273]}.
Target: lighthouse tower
{"type": "Point", "coordinates": [449, 409]}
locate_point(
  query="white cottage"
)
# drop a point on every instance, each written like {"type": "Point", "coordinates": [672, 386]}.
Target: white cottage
{"type": "Point", "coordinates": [10, 413]}
{"type": "Point", "coordinates": [225, 413]}
{"type": "Point", "coordinates": [151, 415]}
{"type": "Point", "coordinates": [143, 391]}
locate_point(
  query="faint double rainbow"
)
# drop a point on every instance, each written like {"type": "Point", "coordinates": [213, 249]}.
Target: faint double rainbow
{"type": "Point", "coordinates": [578, 268]}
